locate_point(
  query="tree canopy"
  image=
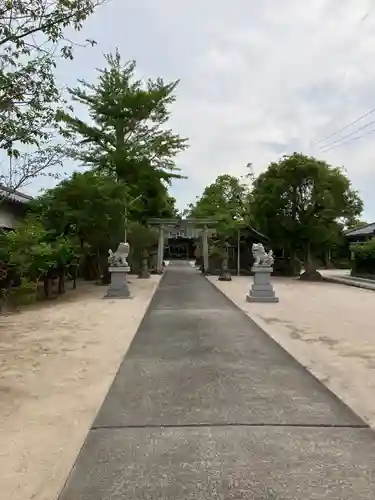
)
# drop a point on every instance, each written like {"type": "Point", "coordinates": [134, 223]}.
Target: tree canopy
{"type": "Point", "coordinates": [130, 153]}
{"type": "Point", "coordinates": [355, 223]}
{"type": "Point", "coordinates": [127, 136]}
{"type": "Point", "coordinates": [225, 200]}
{"type": "Point", "coordinates": [88, 205]}
{"type": "Point", "coordinates": [300, 201]}
{"type": "Point", "coordinates": [32, 37]}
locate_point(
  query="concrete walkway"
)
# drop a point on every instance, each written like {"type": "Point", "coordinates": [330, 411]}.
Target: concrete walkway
{"type": "Point", "coordinates": [206, 405]}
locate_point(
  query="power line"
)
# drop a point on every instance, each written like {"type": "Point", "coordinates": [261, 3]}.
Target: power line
{"type": "Point", "coordinates": [346, 126]}
{"type": "Point", "coordinates": [348, 135]}
{"type": "Point", "coordinates": [349, 141]}
{"type": "Point", "coordinates": [368, 13]}
{"type": "Point", "coordinates": [363, 19]}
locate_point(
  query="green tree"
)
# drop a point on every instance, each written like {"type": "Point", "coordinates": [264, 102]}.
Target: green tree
{"type": "Point", "coordinates": [90, 206]}
{"type": "Point", "coordinates": [364, 258]}
{"type": "Point", "coordinates": [154, 201]}
{"type": "Point", "coordinates": [355, 223]}
{"type": "Point", "coordinates": [225, 200]}
{"type": "Point", "coordinates": [31, 253]}
{"type": "Point", "coordinates": [127, 135]}
{"type": "Point", "coordinates": [20, 169]}
{"type": "Point", "coordinates": [32, 37]}
{"type": "Point", "coordinates": [300, 202]}
{"type": "Point", "coordinates": [141, 239]}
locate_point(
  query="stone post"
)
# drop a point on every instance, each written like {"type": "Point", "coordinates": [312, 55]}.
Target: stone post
{"type": "Point", "coordinates": [224, 273]}
{"type": "Point", "coordinates": [159, 265]}
{"type": "Point", "coordinates": [144, 272]}
{"type": "Point", "coordinates": [205, 248]}
{"type": "Point", "coordinates": [119, 268]}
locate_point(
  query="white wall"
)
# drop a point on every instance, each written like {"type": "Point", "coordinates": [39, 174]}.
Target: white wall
{"type": "Point", "coordinates": [7, 217]}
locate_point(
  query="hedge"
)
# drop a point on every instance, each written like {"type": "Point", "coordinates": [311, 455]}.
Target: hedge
{"type": "Point", "coordinates": [364, 257]}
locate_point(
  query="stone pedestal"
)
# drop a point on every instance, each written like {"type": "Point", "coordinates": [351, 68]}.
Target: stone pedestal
{"type": "Point", "coordinates": [118, 288]}
{"type": "Point", "coordinates": [262, 289]}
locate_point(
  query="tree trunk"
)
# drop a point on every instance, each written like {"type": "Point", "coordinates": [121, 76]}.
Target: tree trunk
{"type": "Point", "coordinates": [105, 277]}
{"type": "Point", "coordinates": [47, 286]}
{"type": "Point", "coordinates": [310, 273]}
{"type": "Point", "coordinates": [90, 268]}
{"type": "Point", "coordinates": [74, 276]}
{"type": "Point", "coordinates": [328, 258]}
{"type": "Point", "coordinates": [61, 281]}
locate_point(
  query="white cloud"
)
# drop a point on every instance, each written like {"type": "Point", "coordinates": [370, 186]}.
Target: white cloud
{"type": "Point", "coordinates": [258, 78]}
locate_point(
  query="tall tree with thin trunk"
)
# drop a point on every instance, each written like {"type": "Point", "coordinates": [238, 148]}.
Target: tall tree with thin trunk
{"type": "Point", "coordinates": [301, 202]}
{"type": "Point", "coordinates": [127, 136]}
{"type": "Point", "coordinates": [225, 200]}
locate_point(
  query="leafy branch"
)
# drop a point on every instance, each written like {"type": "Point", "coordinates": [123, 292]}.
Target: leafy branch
{"type": "Point", "coordinates": [31, 33]}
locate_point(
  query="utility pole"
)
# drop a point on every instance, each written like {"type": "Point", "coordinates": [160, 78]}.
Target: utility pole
{"type": "Point", "coordinates": [238, 252]}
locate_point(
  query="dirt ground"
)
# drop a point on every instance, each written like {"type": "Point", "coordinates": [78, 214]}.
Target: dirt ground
{"type": "Point", "coordinates": [329, 328]}
{"type": "Point", "coordinates": [57, 361]}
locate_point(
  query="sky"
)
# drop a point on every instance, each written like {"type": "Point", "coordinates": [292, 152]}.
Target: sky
{"type": "Point", "coordinates": [258, 79]}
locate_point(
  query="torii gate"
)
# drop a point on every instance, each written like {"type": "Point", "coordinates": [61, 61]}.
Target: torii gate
{"type": "Point", "coordinates": [190, 225]}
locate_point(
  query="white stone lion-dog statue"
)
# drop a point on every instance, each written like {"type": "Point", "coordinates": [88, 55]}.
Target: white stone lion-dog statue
{"type": "Point", "coordinates": [261, 257]}
{"type": "Point", "coordinates": [119, 257]}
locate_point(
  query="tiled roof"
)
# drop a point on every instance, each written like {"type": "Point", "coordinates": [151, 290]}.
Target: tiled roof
{"type": "Point", "coordinates": [362, 231]}
{"type": "Point", "coordinates": [15, 196]}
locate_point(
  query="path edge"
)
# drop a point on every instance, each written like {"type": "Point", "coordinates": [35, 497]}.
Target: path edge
{"type": "Point", "coordinates": [91, 429]}
{"type": "Point", "coordinates": [356, 284]}
{"type": "Point", "coordinates": [366, 424]}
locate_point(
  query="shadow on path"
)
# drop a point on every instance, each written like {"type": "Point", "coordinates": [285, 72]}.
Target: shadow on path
{"type": "Point", "coordinates": [205, 405]}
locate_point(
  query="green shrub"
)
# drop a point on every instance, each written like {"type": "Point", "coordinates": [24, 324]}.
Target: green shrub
{"type": "Point", "coordinates": [25, 293]}
{"type": "Point", "coordinates": [141, 238]}
{"type": "Point", "coordinates": [343, 263]}
{"type": "Point", "coordinates": [287, 267]}
{"type": "Point", "coordinates": [364, 257]}
{"type": "Point", "coordinates": [216, 251]}
{"type": "Point", "coordinates": [30, 254]}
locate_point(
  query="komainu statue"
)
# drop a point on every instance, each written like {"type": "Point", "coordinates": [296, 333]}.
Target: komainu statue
{"type": "Point", "coordinates": [261, 257]}
{"type": "Point", "coordinates": [119, 257]}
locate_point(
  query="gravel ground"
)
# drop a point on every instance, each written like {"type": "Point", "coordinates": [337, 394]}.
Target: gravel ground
{"type": "Point", "coordinates": [327, 327]}
{"type": "Point", "coordinates": [57, 361]}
